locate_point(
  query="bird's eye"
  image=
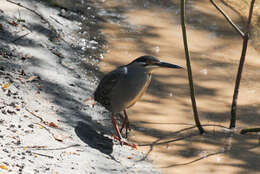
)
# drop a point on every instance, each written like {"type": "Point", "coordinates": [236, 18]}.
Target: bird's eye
{"type": "Point", "coordinates": [149, 62]}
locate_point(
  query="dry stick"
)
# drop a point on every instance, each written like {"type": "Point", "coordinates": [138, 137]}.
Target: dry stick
{"type": "Point", "coordinates": [42, 120]}
{"type": "Point", "coordinates": [228, 18]}
{"type": "Point", "coordinates": [240, 67]}
{"type": "Point", "coordinates": [33, 11]}
{"type": "Point", "coordinates": [36, 153]}
{"type": "Point", "coordinates": [56, 20]}
{"type": "Point", "coordinates": [20, 37]}
{"type": "Point", "coordinates": [192, 91]}
{"type": "Point", "coordinates": [20, 5]}
{"type": "Point", "coordinates": [245, 37]}
{"type": "Point", "coordinates": [195, 160]}
{"type": "Point", "coordinates": [244, 131]}
{"type": "Point", "coordinates": [32, 147]}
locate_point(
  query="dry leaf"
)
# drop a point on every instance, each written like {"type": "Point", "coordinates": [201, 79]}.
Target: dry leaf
{"type": "Point", "coordinates": [39, 86]}
{"type": "Point", "coordinates": [59, 137]}
{"type": "Point", "coordinates": [13, 23]}
{"type": "Point", "coordinates": [90, 101]}
{"type": "Point", "coordinates": [3, 167]}
{"type": "Point", "coordinates": [26, 56]}
{"type": "Point", "coordinates": [52, 124]}
{"type": "Point", "coordinates": [5, 86]}
{"type": "Point", "coordinates": [17, 107]}
{"type": "Point", "coordinates": [40, 126]}
{"type": "Point", "coordinates": [32, 78]}
{"type": "Point", "coordinates": [21, 80]}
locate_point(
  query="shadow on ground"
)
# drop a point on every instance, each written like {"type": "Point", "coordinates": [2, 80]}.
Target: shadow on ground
{"type": "Point", "coordinates": [89, 135]}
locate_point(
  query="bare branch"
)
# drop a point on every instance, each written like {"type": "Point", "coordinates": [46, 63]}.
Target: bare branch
{"type": "Point", "coordinates": [198, 159]}
{"type": "Point", "coordinates": [35, 12]}
{"type": "Point", "coordinates": [240, 67]}
{"type": "Point", "coordinates": [244, 131]}
{"type": "Point", "coordinates": [40, 154]}
{"type": "Point", "coordinates": [228, 18]}
{"type": "Point", "coordinates": [187, 56]}
{"type": "Point", "coordinates": [20, 37]}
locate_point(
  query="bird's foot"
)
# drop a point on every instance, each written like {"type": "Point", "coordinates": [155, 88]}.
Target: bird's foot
{"type": "Point", "coordinates": [127, 127]}
{"type": "Point", "coordinates": [124, 142]}
{"type": "Point", "coordinates": [127, 130]}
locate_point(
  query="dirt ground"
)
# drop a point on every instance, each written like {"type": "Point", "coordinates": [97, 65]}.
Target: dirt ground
{"type": "Point", "coordinates": [162, 121]}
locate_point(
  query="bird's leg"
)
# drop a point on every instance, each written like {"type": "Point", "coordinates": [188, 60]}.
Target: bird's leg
{"type": "Point", "coordinates": [119, 136]}
{"type": "Point", "coordinates": [116, 127]}
{"type": "Point", "coordinates": [127, 121]}
{"type": "Point", "coordinates": [122, 119]}
{"type": "Point", "coordinates": [125, 124]}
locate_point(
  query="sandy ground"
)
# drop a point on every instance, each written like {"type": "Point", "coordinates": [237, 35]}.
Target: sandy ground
{"type": "Point", "coordinates": [47, 69]}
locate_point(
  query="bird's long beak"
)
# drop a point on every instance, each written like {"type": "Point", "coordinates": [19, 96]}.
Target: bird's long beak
{"type": "Point", "coordinates": [168, 65]}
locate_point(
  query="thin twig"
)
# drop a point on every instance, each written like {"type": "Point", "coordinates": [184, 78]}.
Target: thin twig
{"type": "Point", "coordinates": [228, 19]}
{"type": "Point", "coordinates": [192, 91]}
{"type": "Point", "coordinates": [48, 130]}
{"type": "Point", "coordinates": [33, 11]}
{"type": "Point", "coordinates": [195, 160]}
{"type": "Point", "coordinates": [227, 148]}
{"type": "Point", "coordinates": [244, 131]}
{"type": "Point", "coordinates": [41, 119]}
{"type": "Point", "coordinates": [61, 148]}
{"type": "Point", "coordinates": [33, 147]}
{"type": "Point", "coordinates": [169, 141]}
{"type": "Point", "coordinates": [42, 155]}
{"type": "Point", "coordinates": [46, 147]}
{"type": "Point", "coordinates": [240, 67]}
{"type": "Point", "coordinates": [20, 37]}
{"type": "Point", "coordinates": [56, 20]}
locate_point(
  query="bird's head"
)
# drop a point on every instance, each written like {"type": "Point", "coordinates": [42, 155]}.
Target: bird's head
{"type": "Point", "coordinates": [150, 63]}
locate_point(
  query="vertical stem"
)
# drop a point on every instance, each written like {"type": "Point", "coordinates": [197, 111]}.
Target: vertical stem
{"type": "Point", "coordinates": [192, 92]}
{"type": "Point", "coordinates": [240, 68]}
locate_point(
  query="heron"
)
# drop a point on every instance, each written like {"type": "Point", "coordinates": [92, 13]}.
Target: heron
{"type": "Point", "coordinates": [121, 88]}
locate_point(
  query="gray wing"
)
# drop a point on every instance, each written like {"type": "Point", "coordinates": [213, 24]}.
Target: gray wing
{"type": "Point", "coordinates": [106, 85]}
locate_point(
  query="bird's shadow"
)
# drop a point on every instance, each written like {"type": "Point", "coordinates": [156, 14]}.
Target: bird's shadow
{"type": "Point", "coordinates": [94, 139]}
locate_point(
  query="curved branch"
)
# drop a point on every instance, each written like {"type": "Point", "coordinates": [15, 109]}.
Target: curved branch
{"type": "Point", "coordinates": [240, 67]}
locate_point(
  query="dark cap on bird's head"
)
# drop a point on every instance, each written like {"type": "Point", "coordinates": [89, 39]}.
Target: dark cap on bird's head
{"type": "Point", "coordinates": [151, 62]}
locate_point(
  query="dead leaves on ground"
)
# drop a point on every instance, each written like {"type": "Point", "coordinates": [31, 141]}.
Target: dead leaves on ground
{"type": "Point", "coordinates": [90, 102]}
{"type": "Point", "coordinates": [32, 78]}
{"type": "Point", "coordinates": [13, 23]}
{"type": "Point", "coordinates": [5, 86]}
{"type": "Point", "coordinates": [52, 124]}
{"type": "Point", "coordinates": [57, 137]}
{"type": "Point", "coordinates": [3, 167]}
{"type": "Point", "coordinates": [60, 137]}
